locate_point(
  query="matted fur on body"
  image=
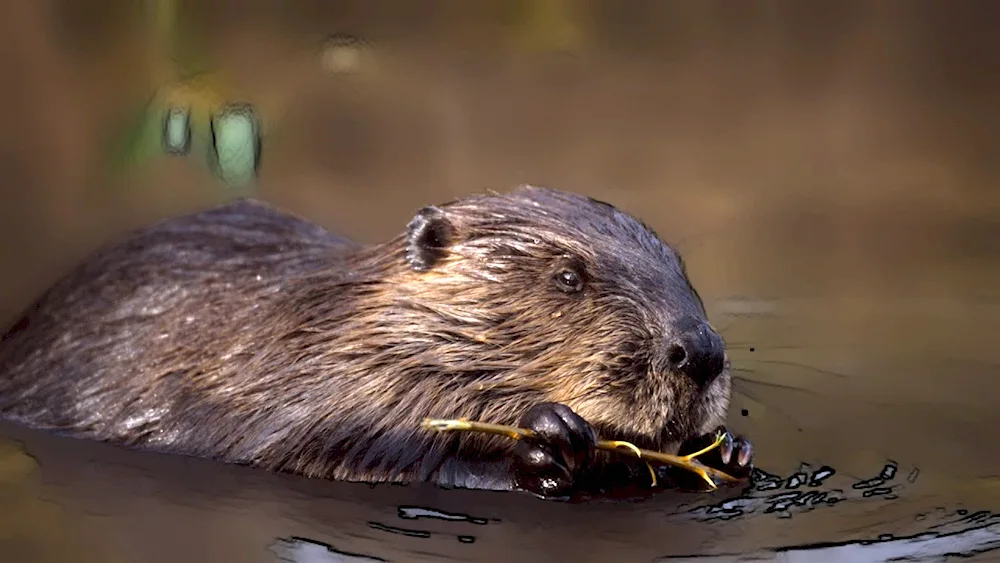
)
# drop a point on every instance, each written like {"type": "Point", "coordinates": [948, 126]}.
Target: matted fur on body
{"type": "Point", "coordinates": [248, 335]}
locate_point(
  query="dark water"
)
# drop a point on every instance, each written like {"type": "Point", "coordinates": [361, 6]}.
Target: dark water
{"type": "Point", "coordinates": [828, 173]}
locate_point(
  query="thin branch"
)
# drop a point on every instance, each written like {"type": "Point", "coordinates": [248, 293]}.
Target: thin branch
{"type": "Point", "coordinates": [687, 462]}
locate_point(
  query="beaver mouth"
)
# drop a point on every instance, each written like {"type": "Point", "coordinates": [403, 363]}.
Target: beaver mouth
{"type": "Point", "coordinates": [666, 409]}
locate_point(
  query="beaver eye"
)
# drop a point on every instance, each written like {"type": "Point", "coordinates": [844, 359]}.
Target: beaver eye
{"type": "Point", "coordinates": [569, 280]}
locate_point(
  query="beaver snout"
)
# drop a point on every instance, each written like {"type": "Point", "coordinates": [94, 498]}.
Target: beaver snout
{"type": "Point", "coordinates": [696, 351]}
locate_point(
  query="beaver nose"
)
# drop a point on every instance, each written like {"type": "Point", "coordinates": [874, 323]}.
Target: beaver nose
{"type": "Point", "coordinates": [697, 351]}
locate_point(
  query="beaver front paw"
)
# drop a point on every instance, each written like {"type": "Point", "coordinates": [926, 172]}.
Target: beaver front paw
{"type": "Point", "coordinates": [563, 444]}
{"type": "Point", "coordinates": [734, 456]}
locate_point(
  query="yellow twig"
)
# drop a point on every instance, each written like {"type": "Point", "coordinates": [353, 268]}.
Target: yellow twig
{"type": "Point", "coordinates": [688, 462]}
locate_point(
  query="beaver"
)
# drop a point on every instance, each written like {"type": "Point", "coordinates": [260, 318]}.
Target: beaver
{"type": "Point", "coordinates": [249, 335]}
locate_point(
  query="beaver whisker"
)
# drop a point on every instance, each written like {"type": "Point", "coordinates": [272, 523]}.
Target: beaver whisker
{"type": "Point", "coordinates": [809, 367]}
{"type": "Point", "coordinates": [774, 385]}
{"type": "Point", "coordinates": [748, 346]}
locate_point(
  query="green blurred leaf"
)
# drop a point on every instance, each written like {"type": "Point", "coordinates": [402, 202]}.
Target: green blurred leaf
{"type": "Point", "coordinates": [177, 131]}
{"type": "Point", "coordinates": [233, 151]}
{"type": "Point", "coordinates": [236, 146]}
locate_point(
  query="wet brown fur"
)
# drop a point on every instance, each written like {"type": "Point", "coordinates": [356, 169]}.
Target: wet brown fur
{"type": "Point", "coordinates": [248, 335]}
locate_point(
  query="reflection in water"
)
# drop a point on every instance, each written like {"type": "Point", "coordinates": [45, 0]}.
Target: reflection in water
{"type": "Point", "coordinates": [939, 533]}
{"type": "Point", "coordinates": [782, 503]}
{"type": "Point", "coordinates": [415, 512]}
{"type": "Point", "coordinates": [297, 550]}
{"type": "Point", "coordinates": [928, 547]}
{"type": "Point", "coordinates": [107, 494]}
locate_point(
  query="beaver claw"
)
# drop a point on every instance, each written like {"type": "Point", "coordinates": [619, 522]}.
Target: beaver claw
{"type": "Point", "coordinates": [562, 446]}
{"type": "Point", "coordinates": [734, 456]}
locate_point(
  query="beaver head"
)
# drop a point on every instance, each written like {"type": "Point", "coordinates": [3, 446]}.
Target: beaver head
{"type": "Point", "coordinates": [498, 302]}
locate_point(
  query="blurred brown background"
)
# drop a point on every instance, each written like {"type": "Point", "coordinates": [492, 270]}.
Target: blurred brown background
{"type": "Point", "coordinates": [829, 166]}
{"type": "Point", "coordinates": [855, 136]}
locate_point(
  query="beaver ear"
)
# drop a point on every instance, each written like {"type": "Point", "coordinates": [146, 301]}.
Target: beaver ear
{"type": "Point", "coordinates": [427, 238]}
